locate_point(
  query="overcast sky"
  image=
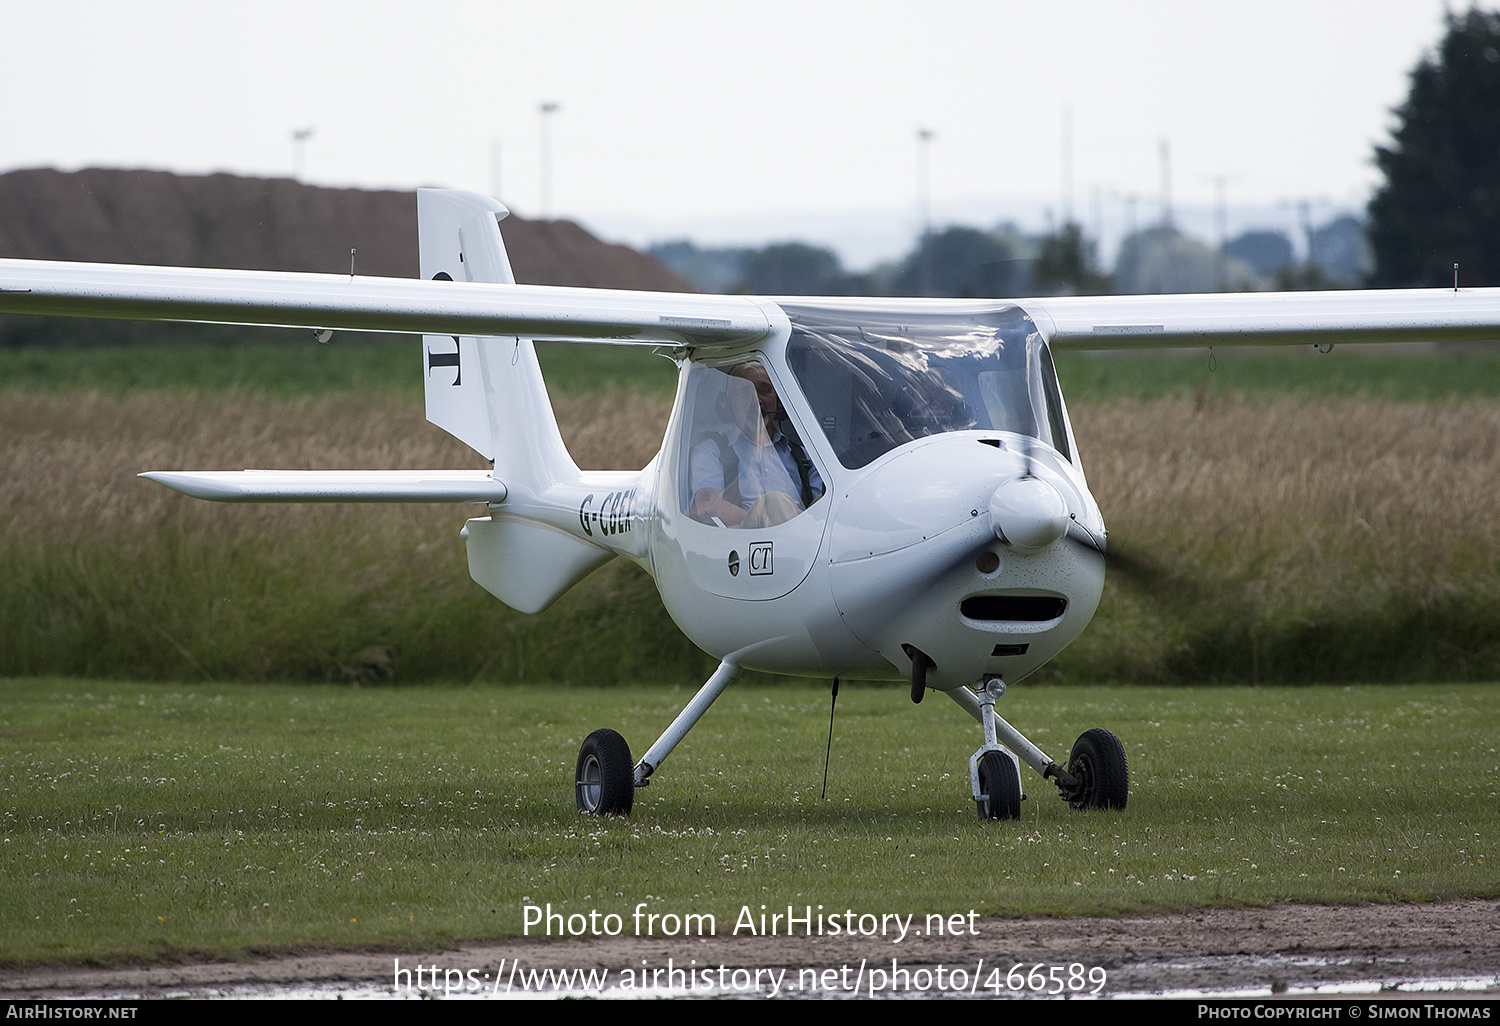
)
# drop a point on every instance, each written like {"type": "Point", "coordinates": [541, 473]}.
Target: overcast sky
{"type": "Point", "coordinates": [726, 118]}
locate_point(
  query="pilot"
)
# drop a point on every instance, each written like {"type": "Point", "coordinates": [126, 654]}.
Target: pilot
{"type": "Point", "coordinates": [757, 473]}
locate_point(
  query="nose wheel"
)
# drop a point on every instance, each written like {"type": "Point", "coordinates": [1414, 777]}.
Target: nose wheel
{"type": "Point", "coordinates": [999, 786]}
{"type": "Point", "coordinates": [1096, 776]}
{"type": "Point", "coordinates": [994, 770]}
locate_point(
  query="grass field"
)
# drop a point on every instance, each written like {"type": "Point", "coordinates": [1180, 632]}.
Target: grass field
{"type": "Point", "coordinates": [288, 366]}
{"type": "Point", "coordinates": [1297, 518]}
{"type": "Point", "coordinates": [160, 822]}
{"type": "Point", "coordinates": [294, 368]}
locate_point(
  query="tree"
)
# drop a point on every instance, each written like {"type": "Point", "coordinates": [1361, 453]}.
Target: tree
{"type": "Point", "coordinates": [1065, 265]}
{"type": "Point", "coordinates": [1265, 251]}
{"type": "Point", "coordinates": [1163, 260]}
{"type": "Point", "coordinates": [1440, 204]}
{"type": "Point", "coordinates": [961, 262]}
{"type": "Point", "coordinates": [793, 269]}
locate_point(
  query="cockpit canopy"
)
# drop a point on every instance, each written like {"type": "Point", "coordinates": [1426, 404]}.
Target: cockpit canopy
{"type": "Point", "coordinates": [878, 380]}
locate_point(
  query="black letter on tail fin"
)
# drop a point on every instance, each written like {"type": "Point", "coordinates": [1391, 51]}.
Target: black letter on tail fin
{"type": "Point", "coordinates": [447, 360]}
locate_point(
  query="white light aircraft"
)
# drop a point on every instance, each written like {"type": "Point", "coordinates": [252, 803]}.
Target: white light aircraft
{"type": "Point", "coordinates": [872, 489]}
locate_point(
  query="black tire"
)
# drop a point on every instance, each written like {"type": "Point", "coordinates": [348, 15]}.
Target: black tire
{"type": "Point", "coordinates": [1001, 785]}
{"type": "Point", "coordinates": [1098, 761]}
{"type": "Point", "coordinates": [604, 782]}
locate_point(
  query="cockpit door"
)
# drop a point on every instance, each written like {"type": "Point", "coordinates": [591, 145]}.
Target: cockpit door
{"type": "Point", "coordinates": [744, 501]}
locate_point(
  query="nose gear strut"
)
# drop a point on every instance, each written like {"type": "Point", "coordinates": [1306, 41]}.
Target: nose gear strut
{"type": "Point", "coordinates": [1096, 777]}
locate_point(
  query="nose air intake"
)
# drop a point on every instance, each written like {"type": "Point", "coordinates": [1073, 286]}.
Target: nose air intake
{"type": "Point", "coordinates": [1013, 608]}
{"type": "Point", "coordinates": [1028, 514]}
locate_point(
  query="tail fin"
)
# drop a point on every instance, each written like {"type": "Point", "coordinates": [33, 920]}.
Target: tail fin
{"type": "Point", "coordinates": [485, 391]}
{"type": "Point", "coordinates": [488, 392]}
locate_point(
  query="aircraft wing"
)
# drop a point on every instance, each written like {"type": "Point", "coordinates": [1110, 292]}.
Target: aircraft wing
{"type": "Point", "coordinates": [334, 485]}
{"type": "Point", "coordinates": [1268, 318]}
{"type": "Point", "coordinates": [406, 305]}
{"type": "Point", "coordinates": [547, 312]}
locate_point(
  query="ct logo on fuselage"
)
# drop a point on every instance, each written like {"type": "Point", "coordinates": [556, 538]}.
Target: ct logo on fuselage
{"type": "Point", "coordinates": [760, 559]}
{"type": "Point", "coordinates": [611, 516]}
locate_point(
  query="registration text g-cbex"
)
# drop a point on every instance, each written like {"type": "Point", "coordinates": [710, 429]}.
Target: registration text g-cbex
{"type": "Point", "coordinates": [612, 515]}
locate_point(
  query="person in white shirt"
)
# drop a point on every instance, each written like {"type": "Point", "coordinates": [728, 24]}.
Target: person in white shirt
{"type": "Point", "coordinates": [756, 474]}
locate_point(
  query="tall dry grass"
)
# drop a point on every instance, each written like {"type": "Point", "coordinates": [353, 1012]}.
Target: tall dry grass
{"type": "Point", "coordinates": [102, 573]}
{"type": "Point", "coordinates": [1285, 539]}
{"type": "Point", "coordinates": [1297, 539]}
{"type": "Point", "coordinates": [1302, 496]}
{"type": "Point", "coordinates": [74, 458]}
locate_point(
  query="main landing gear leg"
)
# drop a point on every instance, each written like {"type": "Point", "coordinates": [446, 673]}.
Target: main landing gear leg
{"type": "Point", "coordinates": [606, 782]}
{"type": "Point", "coordinates": [691, 714]}
{"type": "Point", "coordinates": [1096, 776]}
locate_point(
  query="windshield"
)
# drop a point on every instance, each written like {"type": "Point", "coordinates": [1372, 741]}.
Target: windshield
{"type": "Point", "coordinates": [879, 380]}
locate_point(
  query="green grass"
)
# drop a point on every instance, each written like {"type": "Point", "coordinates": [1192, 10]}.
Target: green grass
{"type": "Point", "coordinates": [163, 821]}
{"type": "Point", "coordinates": [319, 603]}
{"type": "Point", "coordinates": [1400, 375]}
{"type": "Point", "coordinates": [289, 365]}
{"type": "Point", "coordinates": [385, 595]}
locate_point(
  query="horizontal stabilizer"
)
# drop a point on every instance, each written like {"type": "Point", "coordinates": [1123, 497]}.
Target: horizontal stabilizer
{"type": "Point", "coordinates": [334, 485]}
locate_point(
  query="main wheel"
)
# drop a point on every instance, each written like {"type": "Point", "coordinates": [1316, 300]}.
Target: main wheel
{"type": "Point", "coordinates": [1098, 761]}
{"type": "Point", "coordinates": [1001, 785]}
{"type": "Point", "coordinates": [605, 780]}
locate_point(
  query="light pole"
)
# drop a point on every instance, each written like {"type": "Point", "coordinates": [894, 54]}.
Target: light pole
{"type": "Point", "coordinates": [1221, 223]}
{"type": "Point", "coordinates": [299, 138]}
{"type": "Point", "coordinates": [1067, 164]}
{"type": "Point", "coordinates": [546, 112]}
{"type": "Point", "coordinates": [924, 202]}
{"type": "Point", "coordinates": [1166, 184]}
{"type": "Point", "coordinates": [1169, 233]}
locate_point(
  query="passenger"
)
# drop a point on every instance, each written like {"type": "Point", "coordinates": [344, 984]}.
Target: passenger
{"type": "Point", "coordinates": [757, 473]}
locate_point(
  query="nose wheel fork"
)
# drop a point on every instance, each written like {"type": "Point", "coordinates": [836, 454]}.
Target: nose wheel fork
{"type": "Point", "coordinates": [1096, 777]}
{"type": "Point", "coordinates": [994, 770]}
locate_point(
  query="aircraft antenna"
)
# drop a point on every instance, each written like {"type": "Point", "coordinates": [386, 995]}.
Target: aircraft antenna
{"type": "Point", "coordinates": [1455, 277]}
{"type": "Point", "coordinates": [351, 261]}
{"type": "Point", "coordinates": [829, 754]}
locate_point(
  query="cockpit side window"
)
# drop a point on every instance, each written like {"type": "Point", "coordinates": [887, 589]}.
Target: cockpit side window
{"type": "Point", "coordinates": [742, 464]}
{"type": "Point", "coordinates": [1057, 420]}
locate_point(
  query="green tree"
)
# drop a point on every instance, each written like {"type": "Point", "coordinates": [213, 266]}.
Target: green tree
{"type": "Point", "coordinates": [963, 263]}
{"type": "Point", "coordinates": [1066, 265]}
{"type": "Point", "coordinates": [1163, 260]}
{"type": "Point", "coordinates": [1440, 204]}
{"type": "Point", "coordinates": [793, 269]}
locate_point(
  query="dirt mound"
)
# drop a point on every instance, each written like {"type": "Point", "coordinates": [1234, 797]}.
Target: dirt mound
{"type": "Point", "coordinates": [154, 217]}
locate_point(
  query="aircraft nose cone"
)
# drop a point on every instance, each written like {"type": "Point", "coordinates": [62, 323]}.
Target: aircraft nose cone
{"type": "Point", "coordinates": [1028, 513]}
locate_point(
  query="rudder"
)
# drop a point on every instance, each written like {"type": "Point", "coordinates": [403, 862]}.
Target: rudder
{"type": "Point", "coordinates": [486, 391]}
